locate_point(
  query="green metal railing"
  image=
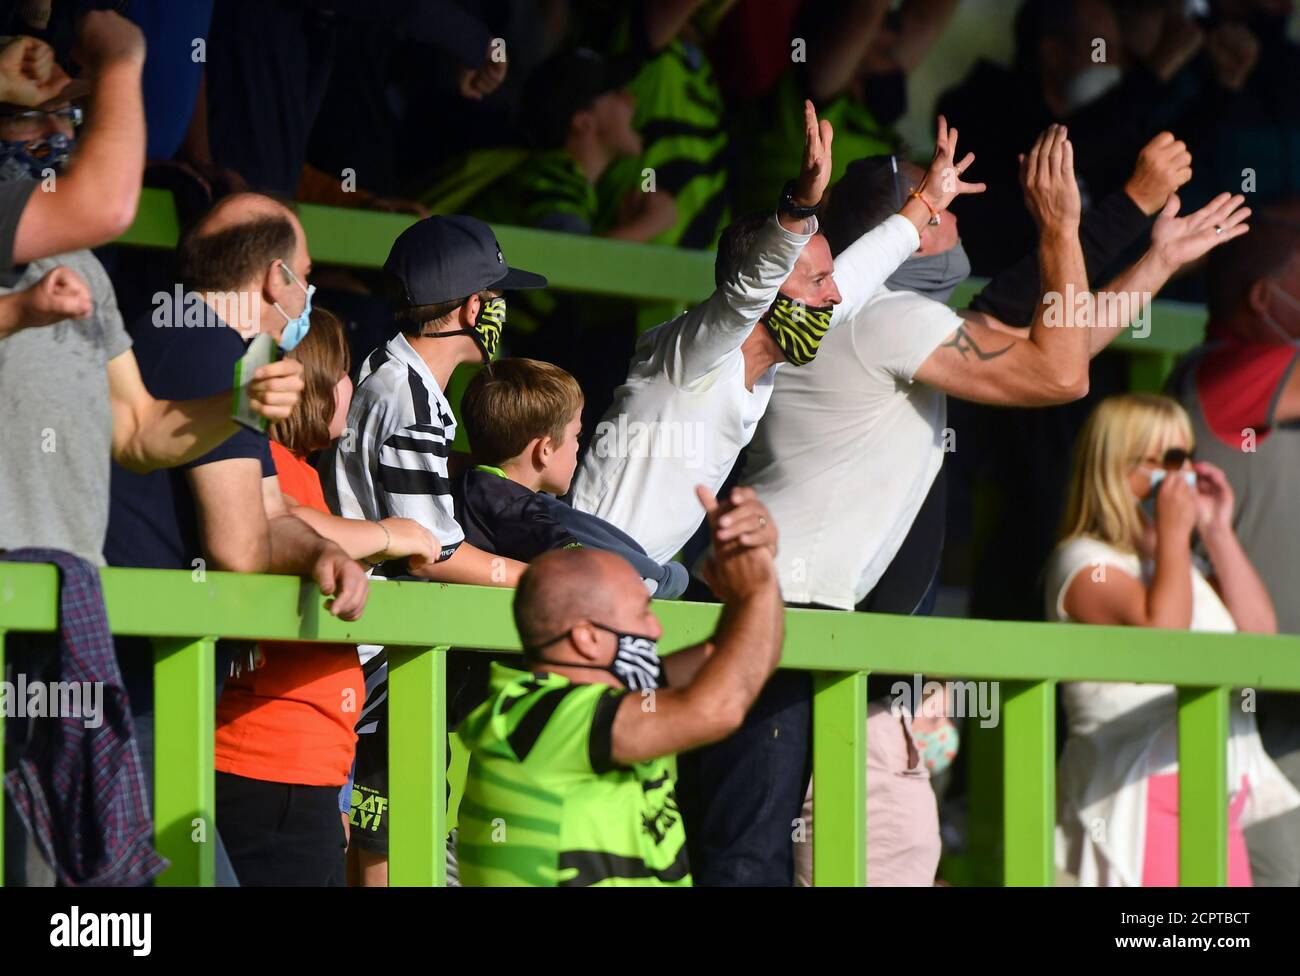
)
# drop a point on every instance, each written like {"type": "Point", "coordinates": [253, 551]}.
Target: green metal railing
{"type": "Point", "coordinates": [641, 272]}
{"type": "Point", "coordinates": [418, 621]}
{"type": "Point", "coordinates": [1013, 767]}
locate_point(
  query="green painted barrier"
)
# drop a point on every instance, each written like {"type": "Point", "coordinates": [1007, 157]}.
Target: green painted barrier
{"type": "Point", "coordinates": [417, 621]}
{"type": "Point", "coordinates": [642, 272]}
{"type": "Point", "coordinates": [671, 278]}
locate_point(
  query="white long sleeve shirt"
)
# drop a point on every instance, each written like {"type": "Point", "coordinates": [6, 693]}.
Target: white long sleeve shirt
{"type": "Point", "coordinates": [684, 413]}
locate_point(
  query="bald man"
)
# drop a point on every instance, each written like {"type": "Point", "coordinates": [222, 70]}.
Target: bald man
{"type": "Point", "coordinates": [573, 759]}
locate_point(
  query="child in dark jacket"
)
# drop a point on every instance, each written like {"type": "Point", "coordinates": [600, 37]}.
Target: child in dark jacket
{"type": "Point", "coordinates": [523, 418]}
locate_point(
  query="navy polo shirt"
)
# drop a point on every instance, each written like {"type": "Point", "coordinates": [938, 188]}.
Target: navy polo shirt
{"type": "Point", "coordinates": [152, 521]}
{"type": "Point", "coordinates": [503, 517]}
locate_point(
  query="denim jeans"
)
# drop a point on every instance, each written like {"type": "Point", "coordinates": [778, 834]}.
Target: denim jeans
{"type": "Point", "coordinates": [740, 797]}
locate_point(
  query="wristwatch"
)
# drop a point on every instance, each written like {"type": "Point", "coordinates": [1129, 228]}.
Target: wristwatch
{"type": "Point", "coordinates": [788, 206]}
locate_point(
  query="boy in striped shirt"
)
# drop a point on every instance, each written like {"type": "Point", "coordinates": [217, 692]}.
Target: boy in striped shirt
{"type": "Point", "coordinates": [447, 275]}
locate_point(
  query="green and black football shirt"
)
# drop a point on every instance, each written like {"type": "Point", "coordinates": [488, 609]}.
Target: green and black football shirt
{"type": "Point", "coordinates": [546, 805]}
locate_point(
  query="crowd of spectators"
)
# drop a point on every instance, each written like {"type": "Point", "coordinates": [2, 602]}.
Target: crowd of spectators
{"type": "Point", "coordinates": [1128, 148]}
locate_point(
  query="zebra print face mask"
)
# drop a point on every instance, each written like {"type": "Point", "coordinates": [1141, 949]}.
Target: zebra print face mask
{"type": "Point", "coordinates": [798, 328]}
{"type": "Point", "coordinates": [636, 663]}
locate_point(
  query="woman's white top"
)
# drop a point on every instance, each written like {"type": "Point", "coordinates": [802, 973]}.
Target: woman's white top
{"type": "Point", "coordinates": [1122, 733]}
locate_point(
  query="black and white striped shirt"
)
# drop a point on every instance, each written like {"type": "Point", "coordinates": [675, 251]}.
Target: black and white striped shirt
{"type": "Point", "coordinates": [392, 458]}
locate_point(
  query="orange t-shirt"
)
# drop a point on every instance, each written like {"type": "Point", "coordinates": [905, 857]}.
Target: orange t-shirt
{"type": "Point", "coordinates": [292, 718]}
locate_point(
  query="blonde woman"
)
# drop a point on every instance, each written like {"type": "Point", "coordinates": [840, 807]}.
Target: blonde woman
{"type": "Point", "coordinates": [1136, 498]}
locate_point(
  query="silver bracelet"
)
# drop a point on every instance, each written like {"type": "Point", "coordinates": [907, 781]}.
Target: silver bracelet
{"type": "Point", "coordinates": [388, 544]}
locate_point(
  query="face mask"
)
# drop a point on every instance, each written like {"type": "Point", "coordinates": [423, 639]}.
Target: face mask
{"type": "Point", "coordinates": [1091, 84]}
{"type": "Point", "coordinates": [30, 158]}
{"type": "Point", "coordinates": [636, 663]}
{"type": "Point", "coordinates": [932, 275]}
{"type": "Point", "coordinates": [1272, 323]}
{"type": "Point", "coordinates": [1148, 504]}
{"type": "Point", "coordinates": [296, 328]}
{"type": "Point", "coordinates": [487, 328]}
{"type": "Point", "coordinates": [798, 329]}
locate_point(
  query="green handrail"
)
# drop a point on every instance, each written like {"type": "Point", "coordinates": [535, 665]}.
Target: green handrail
{"type": "Point", "coordinates": [643, 272]}
{"type": "Point", "coordinates": [417, 621]}
{"type": "Point", "coordinates": [183, 637]}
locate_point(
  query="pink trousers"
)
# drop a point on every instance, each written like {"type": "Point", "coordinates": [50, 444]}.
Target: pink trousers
{"type": "Point", "coordinates": [903, 843]}
{"type": "Point", "coordinates": [1160, 858]}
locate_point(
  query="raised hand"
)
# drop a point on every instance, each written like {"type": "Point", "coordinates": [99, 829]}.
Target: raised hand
{"type": "Point", "coordinates": [743, 518]}
{"type": "Point", "coordinates": [29, 75]}
{"type": "Point", "coordinates": [815, 173]}
{"type": "Point", "coordinates": [740, 564]}
{"type": "Point", "coordinates": [1179, 240]}
{"type": "Point", "coordinates": [943, 181]}
{"type": "Point", "coordinates": [1214, 499]}
{"type": "Point", "coordinates": [1176, 508]}
{"type": "Point", "coordinates": [1163, 165]}
{"type": "Point", "coordinates": [59, 295]}
{"type": "Point", "coordinates": [1047, 176]}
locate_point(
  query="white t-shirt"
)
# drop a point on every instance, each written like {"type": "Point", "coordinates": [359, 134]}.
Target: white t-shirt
{"type": "Point", "coordinates": [1090, 705]}
{"type": "Point", "coordinates": [1081, 552]}
{"type": "Point", "coordinates": [850, 446]}
{"type": "Point", "coordinates": [684, 414]}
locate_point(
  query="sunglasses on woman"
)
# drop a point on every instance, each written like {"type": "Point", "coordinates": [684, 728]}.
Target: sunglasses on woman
{"type": "Point", "coordinates": [1172, 460]}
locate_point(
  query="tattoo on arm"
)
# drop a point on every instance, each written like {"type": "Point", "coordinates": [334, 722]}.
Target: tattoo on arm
{"type": "Point", "coordinates": [963, 343]}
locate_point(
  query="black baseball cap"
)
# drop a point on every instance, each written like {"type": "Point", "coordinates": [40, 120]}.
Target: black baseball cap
{"type": "Point", "coordinates": [442, 259]}
{"type": "Point", "coordinates": [565, 83]}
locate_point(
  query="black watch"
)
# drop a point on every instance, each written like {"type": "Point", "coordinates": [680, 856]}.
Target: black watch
{"type": "Point", "coordinates": [788, 206]}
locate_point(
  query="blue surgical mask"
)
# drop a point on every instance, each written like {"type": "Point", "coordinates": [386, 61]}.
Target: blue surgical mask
{"type": "Point", "coordinates": [296, 328]}
{"type": "Point", "coordinates": [28, 159]}
{"type": "Point", "coordinates": [1148, 504]}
